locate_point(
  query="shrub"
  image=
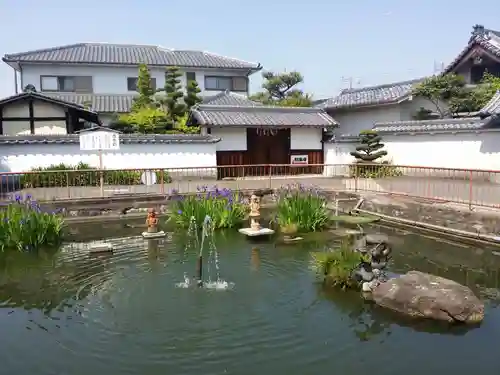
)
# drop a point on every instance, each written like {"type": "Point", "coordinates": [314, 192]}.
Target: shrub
{"type": "Point", "coordinates": [370, 148]}
{"type": "Point", "coordinates": [82, 175]}
{"type": "Point", "coordinates": [147, 120]}
{"type": "Point", "coordinates": [24, 226]}
{"type": "Point", "coordinates": [374, 170]}
{"type": "Point", "coordinates": [336, 267]}
{"type": "Point", "coordinates": [303, 209]}
{"type": "Point", "coordinates": [226, 208]}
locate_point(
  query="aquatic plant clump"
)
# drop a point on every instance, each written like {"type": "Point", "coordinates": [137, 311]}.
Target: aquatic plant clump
{"type": "Point", "coordinates": [337, 267]}
{"type": "Point", "coordinates": [226, 208]}
{"type": "Point", "coordinates": [24, 226]}
{"type": "Point", "coordinates": [301, 208]}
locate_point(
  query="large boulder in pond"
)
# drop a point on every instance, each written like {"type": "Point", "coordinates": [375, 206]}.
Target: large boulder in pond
{"type": "Point", "coordinates": [419, 294]}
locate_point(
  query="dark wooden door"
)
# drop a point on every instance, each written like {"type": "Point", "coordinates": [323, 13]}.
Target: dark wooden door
{"type": "Point", "coordinates": [264, 148]}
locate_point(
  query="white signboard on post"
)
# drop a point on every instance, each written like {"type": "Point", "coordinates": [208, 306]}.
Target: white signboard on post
{"type": "Point", "coordinates": [99, 140]}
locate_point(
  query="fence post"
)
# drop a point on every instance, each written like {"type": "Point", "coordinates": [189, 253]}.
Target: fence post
{"type": "Point", "coordinates": [270, 176]}
{"type": "Point", "coordinates": [356, 178]}
{"type": "Point", "coordinates": [162, 181]}
{"type": "Point", "coordinates": [470, 190]}
{"type": "Point", "coordinates": [68, 189]}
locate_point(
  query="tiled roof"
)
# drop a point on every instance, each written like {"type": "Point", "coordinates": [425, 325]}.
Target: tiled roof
{"type": "Point", "coordinates": [424, 126]}
{"type": "Point", "coordinates": [488, 40]}
{"type": "Point", "coordinates": [101, 103]}
{"type": "Point", "coordinates": [246, 116]}
{"type": "Point", "coordinates": [492, 107]}
{"type": "Point", "coordinates": [122, 103]}
{"type": "Point", "coordinates": [124, 54]}
{"type": "Point", "coordinates": [230, 98]}
{"type": "Point", "coordinates": [124, 139]}
{"type": "Point", "coordinates": [368, 96]}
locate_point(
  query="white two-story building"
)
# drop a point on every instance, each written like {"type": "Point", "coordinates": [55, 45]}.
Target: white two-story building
{"type": "Point", "coordinates": [59, 88]}
{"type": "Point", "coordinates": [104, 76]}
{"type": "Point", "coordinates": [359, 109]}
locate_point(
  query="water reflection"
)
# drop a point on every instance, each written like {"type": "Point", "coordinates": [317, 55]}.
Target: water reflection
{"type": "Point", "coordinates": [255, 258]}
{"type": "Point", "coordinates": [40, 281]}
{"type": "Point", "coordinates": [119, 315]}
{"type": "Point", "coordinates": [369, 321]}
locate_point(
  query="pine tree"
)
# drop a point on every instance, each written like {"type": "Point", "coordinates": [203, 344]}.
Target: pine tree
{"type": "Point", "coordinates": [191, 98]}
{"type": "Point", "coordinates": [173, 91]}
{"type": "Point", "coordinates": [144, 88]}
{"type": "Point", "coordinates": [370, 148]}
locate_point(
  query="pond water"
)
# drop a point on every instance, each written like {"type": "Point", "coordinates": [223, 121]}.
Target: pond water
{"type": "Point", "coordinates": [71, 313]}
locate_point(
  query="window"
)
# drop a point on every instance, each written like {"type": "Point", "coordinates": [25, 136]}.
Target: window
{"type": "Point", "coordinates": [226, 83]}
{"type": "Point", "coordinates": [132, 83]}
{"type": "Point", "coordinates": [240, 84]}
{"type": "Point", "coordinates": [66, 83]}
{"type": "Point", "coordinates": [190, 76]}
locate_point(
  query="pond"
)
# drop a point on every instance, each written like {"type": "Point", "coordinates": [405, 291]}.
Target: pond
{"type": "Point", "coordinates": [71, 313]}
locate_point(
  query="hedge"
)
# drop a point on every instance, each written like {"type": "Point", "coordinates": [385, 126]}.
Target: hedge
{"type": "Point", "coordinates": [82, 175]}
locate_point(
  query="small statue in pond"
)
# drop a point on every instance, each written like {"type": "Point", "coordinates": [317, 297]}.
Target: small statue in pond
{"type": "Point", "coordinates": [254, 212]}
{"type": "Point", "coordinates": [254, 205]}
{"type": "Point", "coordinates": [152, 221]}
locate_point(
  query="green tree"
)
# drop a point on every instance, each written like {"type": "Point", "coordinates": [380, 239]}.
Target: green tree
{"type": "Point", "coordinates": [144, 88]}
{"type": "Point", "coordinates": [146, 120]}
{"type": "Point", "coordinates": [445, 92]}
{"type": "Point", "coordinates": [191, 98]}
{"type": "Point", "coordinates": [370, 148]}
{"type": "Point", "coordinates": [490, 84]}
{"type": "Point", "coordinates": [450, 95]}
{"type": "Point", "coordinates": [280, 89]}
{"type": "Point", "coordinates": [173, 92]}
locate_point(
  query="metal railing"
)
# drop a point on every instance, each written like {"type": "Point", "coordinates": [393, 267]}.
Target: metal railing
{"type": "Point", "coordinates": [472, 187]}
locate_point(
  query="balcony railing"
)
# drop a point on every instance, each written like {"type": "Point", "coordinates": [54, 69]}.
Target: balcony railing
{"type": "Point", "coordinates": [467, 186]}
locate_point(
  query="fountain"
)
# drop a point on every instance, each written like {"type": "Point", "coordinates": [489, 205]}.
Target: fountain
{"type": "Point", "coordinates": [207, 238]}
{"type": "Point", "coordinates": [255, 229]}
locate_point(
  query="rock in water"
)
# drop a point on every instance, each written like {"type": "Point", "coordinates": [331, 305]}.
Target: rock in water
{"type": "Point", "coordinates": [419, 294]}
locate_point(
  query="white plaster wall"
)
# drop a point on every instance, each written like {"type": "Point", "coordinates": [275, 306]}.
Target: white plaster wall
{"type": "Point", "coordinates": [113, 80]}
{"type": "Point", "coordinates": [16, 127]}
{"type": "Point", "coordinates": [306, 139]}
{"type": "Point", "coordinates": [354, 121]}
{"type": "Point", "coordinates": [40, 109]}
{"type": "Point", "coordinates": [232, 139]}
{"type": "Point", "coordinates": [21, 158]}
{"type": "Point", "coordinates": [337, 158]}
{"type": "Point", "coordinates": [459, 151]}
{"type": "Point", "coordinates": [106, 118]}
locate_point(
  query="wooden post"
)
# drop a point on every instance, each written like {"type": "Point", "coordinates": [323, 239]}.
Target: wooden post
{"type": "Point", "coordinates": [101, 173]}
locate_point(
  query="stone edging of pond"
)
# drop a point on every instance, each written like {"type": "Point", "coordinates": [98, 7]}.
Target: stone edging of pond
{"type": "Point", "coordinates": [455, 233]}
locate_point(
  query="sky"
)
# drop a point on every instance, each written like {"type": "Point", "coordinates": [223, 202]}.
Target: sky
{"type": "Point", "coordinates": [329, 42]}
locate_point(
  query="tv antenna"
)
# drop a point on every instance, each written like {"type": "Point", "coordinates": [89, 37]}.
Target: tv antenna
{"type": "Point", "coordinates": [351, 81]}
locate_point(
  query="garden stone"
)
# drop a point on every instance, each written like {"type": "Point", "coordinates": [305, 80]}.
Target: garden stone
{"type": "Point", "coordinates": [419, 294]}
{"type": "Point", "coordinates": [364, 272]}
{"type": "Point", "coordinates": [379, 265]}
{"type": "Point", "coordinates": [360, 245]}
{"type": "Point", "coordinates": [375, 239]}
{"type": "Point", "coordinates": [263, 192]}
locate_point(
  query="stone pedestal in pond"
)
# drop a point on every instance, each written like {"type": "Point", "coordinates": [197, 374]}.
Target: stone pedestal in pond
{"type": "Point", "coordinates": [152, 223]}
{"type": "Point", "coordinates": [419, 294]}
{"type": "Point", "coordinates": [100, 248]}
{"type": "Point", "coordinates": [255, 230]}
